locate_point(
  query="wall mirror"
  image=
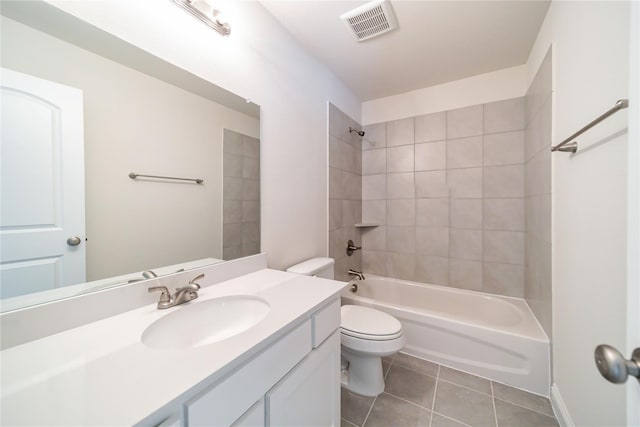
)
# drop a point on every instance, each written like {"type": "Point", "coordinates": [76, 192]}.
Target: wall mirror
{"type": "Point", "coordinates": [85, 116]}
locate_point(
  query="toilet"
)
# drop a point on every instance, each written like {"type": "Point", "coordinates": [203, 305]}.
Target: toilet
{"type": "Point", "coordinates": [366, 336]}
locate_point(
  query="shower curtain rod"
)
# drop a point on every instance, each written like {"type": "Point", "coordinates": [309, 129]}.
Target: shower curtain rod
{"type": "Point", "coordinates": [621, 104]}
{"type": "Point", "coordinates": [134, 175]}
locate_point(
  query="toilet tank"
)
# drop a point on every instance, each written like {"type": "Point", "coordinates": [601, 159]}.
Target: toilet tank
{"type": "Point", "coordinates": [319, 267]}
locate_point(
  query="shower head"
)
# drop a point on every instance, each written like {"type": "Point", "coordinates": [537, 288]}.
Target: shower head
{"type": "Point", "coordinates": [359, 132]}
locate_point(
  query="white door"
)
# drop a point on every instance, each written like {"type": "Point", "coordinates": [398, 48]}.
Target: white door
{"type": "Point", "coordinates": [42, 185]}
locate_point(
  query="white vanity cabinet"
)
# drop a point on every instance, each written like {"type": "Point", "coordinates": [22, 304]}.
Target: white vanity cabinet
{"type": "Point", "coordinates": [309, 394]}
{"type": "Point", "coordinates": [294, 382]}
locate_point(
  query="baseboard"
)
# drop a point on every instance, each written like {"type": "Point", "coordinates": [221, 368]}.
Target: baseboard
{"type": "Point", "coordinates": [559, 408]}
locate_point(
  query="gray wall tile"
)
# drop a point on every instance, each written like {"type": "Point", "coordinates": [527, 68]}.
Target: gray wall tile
{"type": "Point", "coordinates": [374, 187]}
{"type": "Point", "coordinates": [431, 127]}
{"type": "Point", "coordinates": [374, 161]}
{"type": "Point", "coordinates": [465, 183]}
{"type": "Point", "coordinates": [464, 152]}
{"type": "Point", "coordinates": [432, 212]}
{"type": "Point", "coordinates": [464, 122]}
{"type": "Point", "coordinates": [504, 214]}
{"type": "Point", "coordinates": [466, 244]}
{"type": "Point", "coordinates": [401, 239]}
{"type": "Point", "coordinates": [336, 184]}
{"type": "Point", "coordinates": [374, 239]}
{"type": "Point", "coordinates": [374, 211]}
{"type": "Point", "coordinates": [504, 181]}
{"type": "Point", "coordinates": [400, 159]}
{"type": "Point", "coordinates": [432, 241]}
{"type": "Point", "coordinates": [335, 214]}
{"type": "Point", "coordinates": [401, 212]}
{"type": "Point", "coordinates": [400, 132]}
{"type": "Point", "coordinates": [432, 269]}
{"type": "Point", "coordinates": [466, 213]}
{"type": "Point", "coordinates": [430, 156]}
{"type": "Point", "coordinates": [374, 262]}
{"type": "Point", "coordinates": [400, 265]}
{"type": "Point", "coordinates": [375, 136]}
{"type": "Point", "coordinates": [504, 148]}
{"type": "Point", "coordinates": [400, 185]}
{"type": "Point", "coordinates": [431, 184]}
{"type": "Point", "coordinates": [504, 116]}
{"type": "Point", "coordinates": [504, 247]}
{"type": "Point", "coordinates": [503, 279]}
{"type": "Point", "coordinates": [465, 274]}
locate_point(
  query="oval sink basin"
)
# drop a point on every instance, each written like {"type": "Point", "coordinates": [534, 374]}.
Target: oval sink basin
{"type": "Point", "coordinates": [206, 322]}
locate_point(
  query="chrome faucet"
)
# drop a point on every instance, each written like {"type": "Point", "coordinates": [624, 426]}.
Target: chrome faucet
{"type": "Point", "coordinates": [182, 295]}
{"type": "Point", "coordinates": [358, 274]}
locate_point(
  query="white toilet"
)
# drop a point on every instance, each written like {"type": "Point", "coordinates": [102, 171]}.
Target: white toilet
{"type": "Point", "coordinates": [366, 336]}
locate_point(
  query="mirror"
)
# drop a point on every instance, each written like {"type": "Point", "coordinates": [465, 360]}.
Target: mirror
{"type": "Point", "coordinates": [116, 165]}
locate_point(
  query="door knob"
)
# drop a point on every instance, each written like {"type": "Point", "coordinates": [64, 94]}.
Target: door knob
{"type": "Point", "coordinates": [614, 367]}
{"type": "Point", "coordinates": [73, 241]}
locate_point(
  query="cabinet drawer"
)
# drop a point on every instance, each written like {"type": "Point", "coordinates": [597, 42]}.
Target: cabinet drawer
{"type": "Point", "coordinates": [226, 401]}
{"type": "Point", "coordinates": [325, 321]}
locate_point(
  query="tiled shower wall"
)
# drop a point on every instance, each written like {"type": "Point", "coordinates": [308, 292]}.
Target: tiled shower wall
{"type": "Point", "coordinates": [448, 192]}
{"type": "Point", "coordinates": [345, 189]}
{"type": "Point", "coordinates": [241, 194]}
{"type": "Point", "coordinates": [538, 195]}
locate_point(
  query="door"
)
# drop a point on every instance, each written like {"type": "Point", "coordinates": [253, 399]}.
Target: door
{"type": "Point", "coordinates": [42, 207]}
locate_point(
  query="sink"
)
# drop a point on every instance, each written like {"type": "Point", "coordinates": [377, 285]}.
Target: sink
{"type": "Point", "coordinates": [196, 324]}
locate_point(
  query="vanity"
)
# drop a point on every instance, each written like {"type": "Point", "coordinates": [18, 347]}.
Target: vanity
{"type": "Point", "coordinates": [282, 369]}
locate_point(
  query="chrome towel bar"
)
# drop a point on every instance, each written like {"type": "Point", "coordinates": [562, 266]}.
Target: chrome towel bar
{"type": "Point", "coordinates": [621, 104]}
{"type": "Point", "coordinates": [134, 175]}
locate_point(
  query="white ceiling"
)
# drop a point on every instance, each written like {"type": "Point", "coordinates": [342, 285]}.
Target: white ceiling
{"type": "Point", "coordinates": [436, 41]}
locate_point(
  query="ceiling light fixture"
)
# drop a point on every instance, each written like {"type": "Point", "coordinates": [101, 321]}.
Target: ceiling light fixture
{"type": "Point", "coordinates": [204, 11]}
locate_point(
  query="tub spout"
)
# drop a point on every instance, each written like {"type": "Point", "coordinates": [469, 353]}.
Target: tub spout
{"type": "Point", "coordinates": [358, 274]}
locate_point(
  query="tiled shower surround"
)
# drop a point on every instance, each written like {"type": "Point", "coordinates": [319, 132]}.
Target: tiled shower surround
{"type": "Point", "coordinates": [448, 192]}
{"type": "Point", "coordinates": [538, 195]}
{"type": "Point", "coordinates": [241, 189]}
{"type": "Point", "coordinates": [345, 189]}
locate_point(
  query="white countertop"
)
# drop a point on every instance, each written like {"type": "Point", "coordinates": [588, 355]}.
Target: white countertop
{"type": "Point", "coordinates": [101, 373]}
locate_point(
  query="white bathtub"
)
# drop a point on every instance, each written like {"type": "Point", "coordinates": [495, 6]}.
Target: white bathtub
{"type": "Point", "coordinates": [487, 335]}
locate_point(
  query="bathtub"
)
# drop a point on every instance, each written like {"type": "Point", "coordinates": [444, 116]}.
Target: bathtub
{"type": "Point", "coordinates": [490, 336]}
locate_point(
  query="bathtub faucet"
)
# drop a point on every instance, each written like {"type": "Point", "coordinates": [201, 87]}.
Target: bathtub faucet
{"type": "Point", "coordinates": [358, 274]}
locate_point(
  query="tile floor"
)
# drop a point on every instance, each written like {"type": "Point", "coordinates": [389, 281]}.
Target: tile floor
{"type": "Point", "coordinates": [425, 394]}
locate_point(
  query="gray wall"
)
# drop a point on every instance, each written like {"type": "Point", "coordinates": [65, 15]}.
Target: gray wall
{"type": "Point", "coordinates": [345, 189]}
{"type": "Point", "coordinates": [448, 192]}
{"type": "Point", "coordinates": [538, 195]}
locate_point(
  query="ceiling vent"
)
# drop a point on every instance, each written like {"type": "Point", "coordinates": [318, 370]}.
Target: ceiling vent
{"type": "Point", "coordinates": [370, 20]}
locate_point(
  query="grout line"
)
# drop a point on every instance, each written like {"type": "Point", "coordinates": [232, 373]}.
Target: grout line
{"type": "Point", "coordinates": [468, 388]}
{"type": "Point", "coordinates": [348, 422]}
{"type": "Point", "coordinates": [493, 402]}
{"type": "Point", "coordinates": [448, 417]}
{"type": "Point", "coordinates": [524, 407]}
{"type": "Point", "coordinates": [370, 410]}
{"type": "Point", "coordinates": [407, 401]}
{"type": "Point", "coordinates": [435, 392]}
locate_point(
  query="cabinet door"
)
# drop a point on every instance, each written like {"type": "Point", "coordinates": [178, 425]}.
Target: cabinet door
{"type": "Point", "coordinates": [254, 417]}
{"type": "Point", "coordinates": [310, 394]}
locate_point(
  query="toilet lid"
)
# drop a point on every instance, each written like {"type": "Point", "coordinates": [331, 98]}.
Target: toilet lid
{"type": "Point", "coordinates": [363, 322]}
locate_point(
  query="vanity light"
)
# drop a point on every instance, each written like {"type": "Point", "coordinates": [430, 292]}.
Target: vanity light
{"type": "Point", "coordinates": [205, 12]}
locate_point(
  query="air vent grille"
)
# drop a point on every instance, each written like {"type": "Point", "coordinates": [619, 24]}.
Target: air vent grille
{"type": "Point", "coordinates": [370, 20]}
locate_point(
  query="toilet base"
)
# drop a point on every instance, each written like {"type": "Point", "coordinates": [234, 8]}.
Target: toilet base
{"type": "Point", "coordinates": [363, 374]}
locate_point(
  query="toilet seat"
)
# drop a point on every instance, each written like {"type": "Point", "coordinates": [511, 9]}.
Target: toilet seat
{"type": "Point", "coordinates": [368, 324]}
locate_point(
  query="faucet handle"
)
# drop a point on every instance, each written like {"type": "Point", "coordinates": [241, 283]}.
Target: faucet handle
{"type": "Point", "coordinates": [198, 277]}
{"type": "Point", "coordinates": [165, 296]}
